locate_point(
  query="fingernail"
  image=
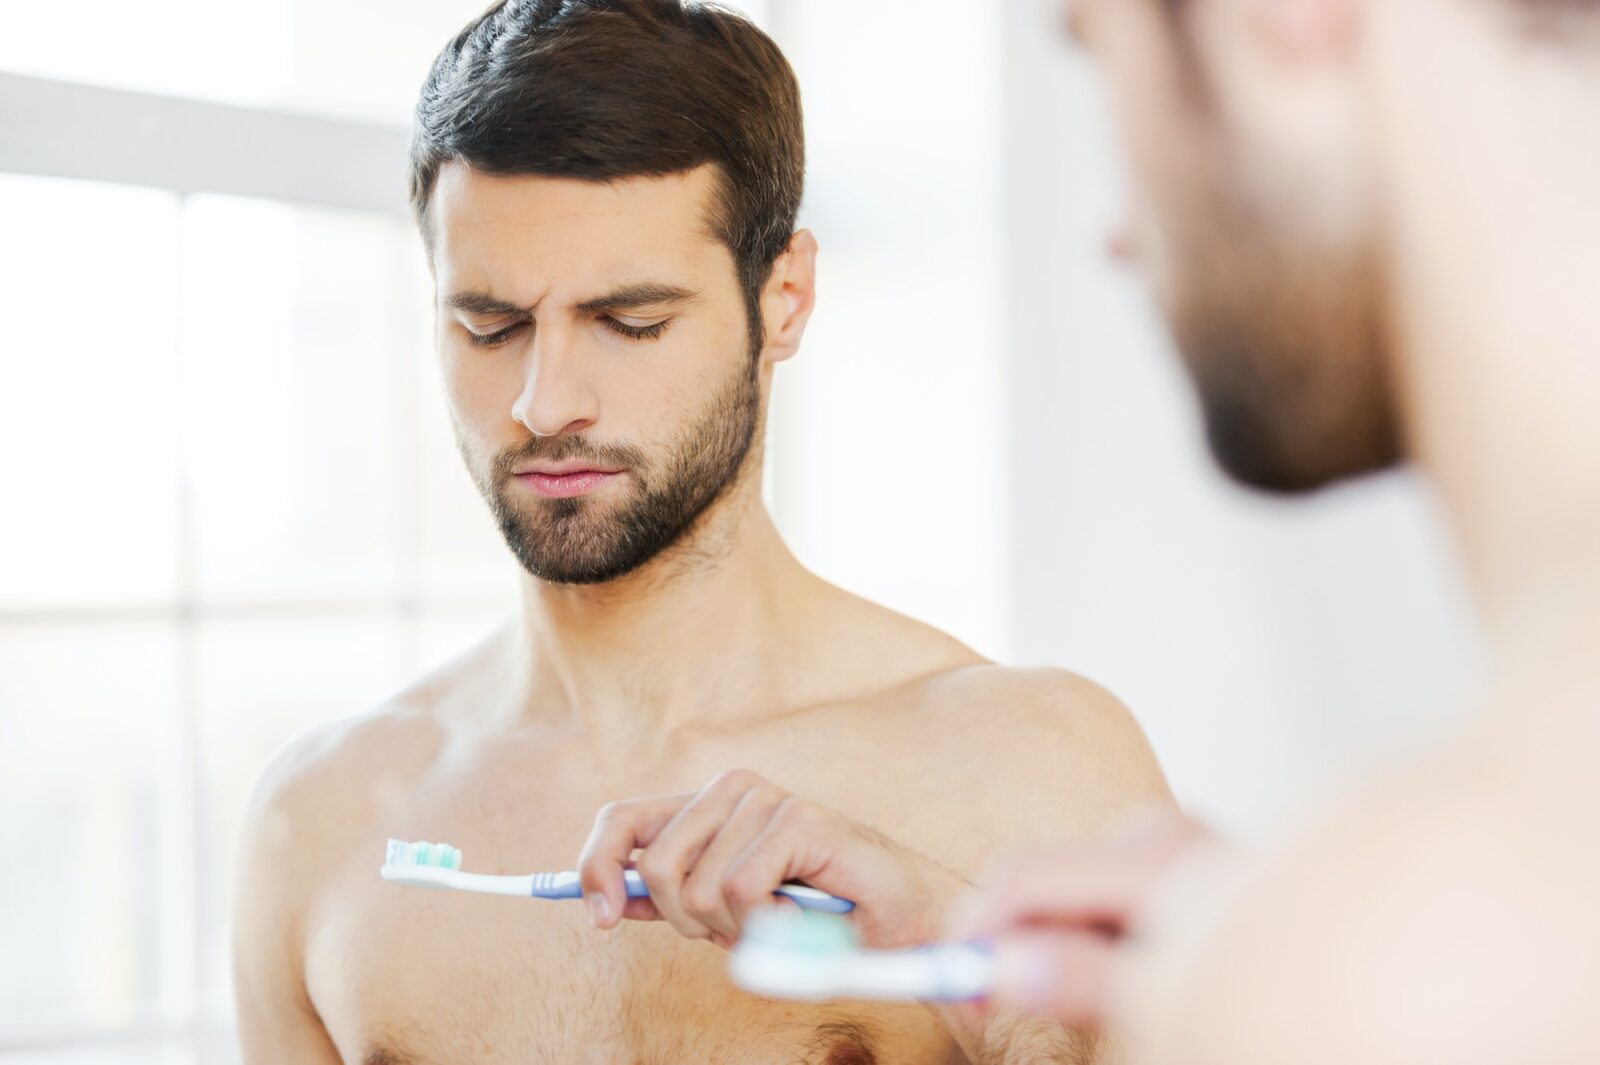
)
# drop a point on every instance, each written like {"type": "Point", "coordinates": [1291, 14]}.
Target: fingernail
{"type": "Point", "coordinates": [599, 908]}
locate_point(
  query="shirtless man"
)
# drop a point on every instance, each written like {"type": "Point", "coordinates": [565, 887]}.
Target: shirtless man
{"type": "Point", "coordinates": [608, 194]}
{"type": "Point", "coordinates": [1376, 227]}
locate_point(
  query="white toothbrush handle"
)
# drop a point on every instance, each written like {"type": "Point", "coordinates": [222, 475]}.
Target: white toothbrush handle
{"type": "Point", "coordinates": [565, 885]}
{"type": "Point", "coordinates": [429, 876]}
{"type": "Point", "coordinates": [948, 972]}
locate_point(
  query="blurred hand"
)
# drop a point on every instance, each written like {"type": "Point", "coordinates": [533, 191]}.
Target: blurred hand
{"type": "Point", "coordinates": [1058, 918]}
{"type": "Point", "coordinates": [711, 857]}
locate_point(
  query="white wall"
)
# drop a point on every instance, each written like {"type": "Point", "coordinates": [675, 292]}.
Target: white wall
{"type": "Point", "coordinates": [1270, 649]}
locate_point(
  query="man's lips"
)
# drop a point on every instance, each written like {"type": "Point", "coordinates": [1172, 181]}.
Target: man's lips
{"type": "Point", "coordinates": [564, 480]}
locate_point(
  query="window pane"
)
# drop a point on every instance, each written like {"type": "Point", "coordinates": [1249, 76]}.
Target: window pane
{"type": "Point", "coordinates": [92, 795]}
{"type": "Point", "coordinates": [86, 394]}
{"type": "Point", "coordinates": [175, 1053]}
{"type": "Point", "coordinates": [442, 635]}
{"type": "Point", "coordinates": [297, 324]}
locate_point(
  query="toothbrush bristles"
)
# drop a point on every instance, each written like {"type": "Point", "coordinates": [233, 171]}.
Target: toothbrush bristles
{"type": "Point", "coordinates": [441, 855]}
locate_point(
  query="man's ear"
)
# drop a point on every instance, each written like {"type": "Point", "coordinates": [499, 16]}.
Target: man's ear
{"type": "Point", "coordinates": [788, 296]}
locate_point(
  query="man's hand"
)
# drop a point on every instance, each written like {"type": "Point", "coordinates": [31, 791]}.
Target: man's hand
{"type": "Point", "coordinates": [711, 857]}
{"type": "Point", "coordinates": [1058, 917]}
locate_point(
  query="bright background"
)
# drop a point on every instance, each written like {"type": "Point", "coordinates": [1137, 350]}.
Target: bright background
{"type": "Point", "coordinates": [233, 509]}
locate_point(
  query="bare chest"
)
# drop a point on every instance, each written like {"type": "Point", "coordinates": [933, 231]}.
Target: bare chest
{"type": "Point", "coordinates": [402, 976]}
{"type": "Point", "coordinates": [419, 977]}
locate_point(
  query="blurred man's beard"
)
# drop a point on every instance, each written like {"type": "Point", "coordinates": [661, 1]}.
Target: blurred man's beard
{"type": "Point", "coordinates": [1285, 342]}
{"type": "Point", "coordinates": [583, 541]}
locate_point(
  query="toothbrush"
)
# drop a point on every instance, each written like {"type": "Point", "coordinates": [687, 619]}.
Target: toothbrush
{"type": "Point", "coordinates": [814, 956]}
{"type": "Point", "coordinates": [438, 865]}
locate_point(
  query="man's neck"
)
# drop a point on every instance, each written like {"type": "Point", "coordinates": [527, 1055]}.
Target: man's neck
{"type": "Point", "coordinates": [700, 633]}
{"type": "Point", "coordinates": [1495, 230]}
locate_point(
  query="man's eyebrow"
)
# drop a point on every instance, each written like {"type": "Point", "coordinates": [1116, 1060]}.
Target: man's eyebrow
{"type": "Point", "coordinates": [483, 303]}
{"type": "Point", "coordinates": [640, 294]}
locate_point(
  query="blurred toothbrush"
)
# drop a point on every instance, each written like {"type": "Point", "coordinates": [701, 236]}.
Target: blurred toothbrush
{"type": "Point", "coordinates": [813, 957]}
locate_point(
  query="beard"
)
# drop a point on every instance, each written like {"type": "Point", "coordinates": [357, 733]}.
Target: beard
{"type": "Point", "coordinates": [1279, 320]}
{"type": "Point", "coordinates": [582, 541]}
{"type": "Point", "coordinates": [1282, 333]}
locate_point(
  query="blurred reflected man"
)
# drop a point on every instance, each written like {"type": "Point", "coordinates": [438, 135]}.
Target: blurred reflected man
{"type": "Point", "coordinates": [607, 192]}
{"type": "Point", "coordinates": [1374, 226]}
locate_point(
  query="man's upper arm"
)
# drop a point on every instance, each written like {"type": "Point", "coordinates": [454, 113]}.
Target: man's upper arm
{"type": "Point", "coordinates": [1065, 760]}
{"type": "Point", "coordinates": [277, 1022]}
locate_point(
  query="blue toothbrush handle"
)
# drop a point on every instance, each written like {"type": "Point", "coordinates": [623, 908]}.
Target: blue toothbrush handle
{"type": "Point", "coordinates": [807, 898]}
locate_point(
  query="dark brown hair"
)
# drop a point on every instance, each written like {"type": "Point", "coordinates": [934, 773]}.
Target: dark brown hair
{"type": "Point", "coordinates": [607, 89]}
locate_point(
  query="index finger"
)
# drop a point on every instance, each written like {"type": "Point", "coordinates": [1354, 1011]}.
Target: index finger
{"type": "Point", "coordinates": [619, 828]}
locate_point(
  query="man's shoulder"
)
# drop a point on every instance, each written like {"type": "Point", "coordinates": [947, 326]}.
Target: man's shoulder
{"type": "Point", "coordinates": [1059, 750]}
{"type": "Point", "coordinates": [1045, 692]}
{"type": "Point", "coordinates": [318, 794]}
{"type": "Point", "coordinates": [333, 759]}
{"type": "Point", "coordinates": [319, 786]}
{"type": "Point", "coordinates": [1028, 705]}
{"type": "Point", "coordinates": [947, 682]}
{"type": "Point", "coordinates": [325, 776]}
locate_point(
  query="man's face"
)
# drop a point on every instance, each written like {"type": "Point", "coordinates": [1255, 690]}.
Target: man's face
{"type": "Point", "coordinates": [597, 361]}
{"type": "Point", "coordinates": [1251, 217]}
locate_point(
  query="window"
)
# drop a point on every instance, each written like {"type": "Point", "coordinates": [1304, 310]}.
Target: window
{"type": "Point", "coordinates": [233, 509]}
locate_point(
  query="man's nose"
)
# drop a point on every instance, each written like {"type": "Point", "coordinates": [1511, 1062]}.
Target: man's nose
{"type": "Point", "coordinates": [557, 396]}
